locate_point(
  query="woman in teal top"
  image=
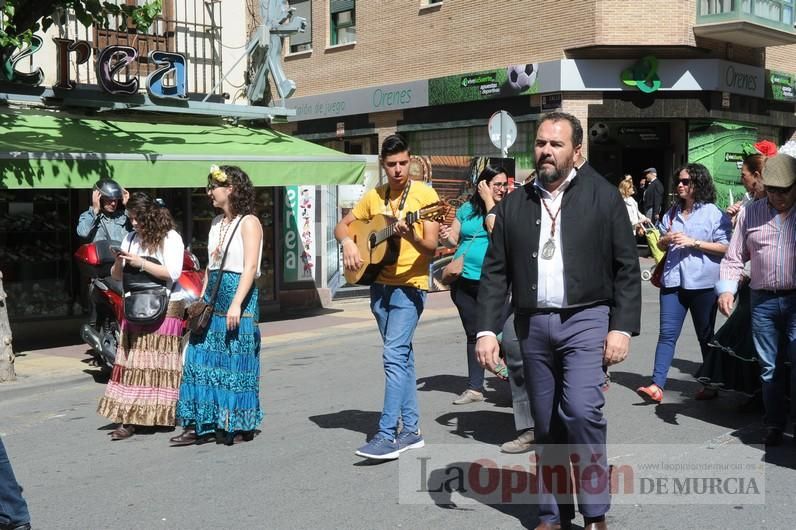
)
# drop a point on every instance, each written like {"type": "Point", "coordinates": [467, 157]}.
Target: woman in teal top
{"type": "Point", "coordinates": [470, 233]}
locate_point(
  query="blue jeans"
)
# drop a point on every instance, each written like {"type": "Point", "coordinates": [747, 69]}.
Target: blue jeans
{"type": "Point", "coordinates": [773, 325]}
{"type": "Point", "coordinates": [397, 310]}
{"type": "Point", "coordinates": [13, 508]}
{"type": "Point", "coordinates": [675, 303]}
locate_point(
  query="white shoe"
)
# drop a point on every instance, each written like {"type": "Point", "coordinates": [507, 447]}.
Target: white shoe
{"type": "Point", "coordinates": [468, 396]}
{"type": "Point", "coordinates": [522, 444]}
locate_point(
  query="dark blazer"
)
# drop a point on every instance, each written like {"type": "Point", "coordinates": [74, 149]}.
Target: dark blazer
{"type": "Point", "coordinates": [599, 251]}
{"type": "Point", "coordinates": [653, 198]}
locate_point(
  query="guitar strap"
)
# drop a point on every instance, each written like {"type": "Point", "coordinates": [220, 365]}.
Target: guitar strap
{"type": "Point", "coordinates": [402, 203]}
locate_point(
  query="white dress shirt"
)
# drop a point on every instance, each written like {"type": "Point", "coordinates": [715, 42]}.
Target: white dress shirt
{"type": "Point", "coordinates": [551, 290]}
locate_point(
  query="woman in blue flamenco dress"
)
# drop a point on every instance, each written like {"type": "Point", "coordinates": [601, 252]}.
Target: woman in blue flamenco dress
{"type": "Point", "coordinates": [220, 389]}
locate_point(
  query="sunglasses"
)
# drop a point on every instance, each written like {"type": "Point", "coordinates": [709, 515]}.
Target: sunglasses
{"type": "Point", "coordinates": [214, 185]}
{"type": "Point", "coordinates": [776, 190]}
{"type": "Point", "coordinates": [684, 182]}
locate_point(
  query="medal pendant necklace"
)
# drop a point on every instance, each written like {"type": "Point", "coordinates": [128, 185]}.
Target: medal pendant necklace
{"type": "Point", "coordinates": [222, 237]}
{"type": "Point", "coordinates": [549, 248]}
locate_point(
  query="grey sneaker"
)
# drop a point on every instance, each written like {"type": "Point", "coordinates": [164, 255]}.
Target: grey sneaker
{"type": "Point", "coordinates": [409, 440]}
{"type": "Point", "coordinates": [522, 444]}
{"type": "Point", "coordinates": [379, 448]}
{"type": "Point", "coordinates": [469, 396]}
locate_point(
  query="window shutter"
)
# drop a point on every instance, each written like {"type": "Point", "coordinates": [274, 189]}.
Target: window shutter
{"type": "Point", "coordinates": [339, 6]}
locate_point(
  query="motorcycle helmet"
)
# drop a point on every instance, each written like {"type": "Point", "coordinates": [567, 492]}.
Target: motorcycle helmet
{"type": "Point", "coordinates": [109, 189]}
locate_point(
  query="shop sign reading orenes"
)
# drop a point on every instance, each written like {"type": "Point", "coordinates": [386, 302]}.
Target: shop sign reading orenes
{"type": "Point", "coordinates": [109, 62]}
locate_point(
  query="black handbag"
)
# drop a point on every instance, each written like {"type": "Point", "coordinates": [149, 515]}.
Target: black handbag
{"type": "Point", "coordinates": [199, 313]}
{"type": "Point", "coordinates": [146, 298]}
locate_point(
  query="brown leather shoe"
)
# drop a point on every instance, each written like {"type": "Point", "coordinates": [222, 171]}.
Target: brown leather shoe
{"type": "Point", "coordinates": [544, 525]}
{"type": "Point", "coordinates": [596, 526]}
{"type": "Point", "coordinates": [187, 437]}
{"type": "Point", "coordinates": [122, 432]}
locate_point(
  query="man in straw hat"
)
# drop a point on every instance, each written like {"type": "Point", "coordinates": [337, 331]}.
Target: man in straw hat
{"type": "Point", "coordinates": [765, 235]}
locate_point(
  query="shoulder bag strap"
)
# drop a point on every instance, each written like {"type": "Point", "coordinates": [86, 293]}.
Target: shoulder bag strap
{"type": "Point", "coordinates": [472, 240]}
{"type": "Point", "coordinates": [221, 266]}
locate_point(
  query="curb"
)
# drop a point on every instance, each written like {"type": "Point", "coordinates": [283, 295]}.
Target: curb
{"type": "Point", "coordinates": [31, 385]}
{"type": "Point", "coordinates": [22, 389]}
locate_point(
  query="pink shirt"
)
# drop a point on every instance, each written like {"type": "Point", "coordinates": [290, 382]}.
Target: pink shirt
{"type": "Point", "coordinates": [766, 240]}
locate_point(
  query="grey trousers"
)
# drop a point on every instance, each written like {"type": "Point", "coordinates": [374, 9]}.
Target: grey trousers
{"type": "Point", "coordinates": [563, 356]}
{"type": "Point", "coordinates": [520, 400]}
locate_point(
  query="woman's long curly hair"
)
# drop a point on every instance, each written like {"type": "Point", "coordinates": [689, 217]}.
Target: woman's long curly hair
{"type": "Point", "coordinates": [701, 182]}
{"type": "Point", "coordinates": [487, 174]}
{"type": "Point", "coordinates": [153, 219]}
{"type": "Point", "coordinates": [242, 197]}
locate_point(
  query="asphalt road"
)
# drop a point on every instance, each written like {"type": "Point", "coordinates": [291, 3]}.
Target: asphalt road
{"type": "Point", "coordinates": [321, 400]}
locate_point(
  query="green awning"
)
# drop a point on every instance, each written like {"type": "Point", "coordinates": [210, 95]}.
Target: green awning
{"type": "Point", "coordinates": [47, 150]}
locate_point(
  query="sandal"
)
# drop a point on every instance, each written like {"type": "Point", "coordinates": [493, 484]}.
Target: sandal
{"type": "Point", "coordinates": [122, 433]}
{"type": "Point", "coordinates": [189, 437]}
{"type": "Point", "coordinates": [706, 394]}
{"type": "Point", "coordinates": [651, 394]}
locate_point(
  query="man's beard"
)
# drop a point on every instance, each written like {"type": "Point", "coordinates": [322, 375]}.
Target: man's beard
{"type": "Point", "coordinates": [549, 175]}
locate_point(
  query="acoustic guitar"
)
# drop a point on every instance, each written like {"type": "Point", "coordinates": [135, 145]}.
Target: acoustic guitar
{"type": "Point", "coordinates": [379, 244]}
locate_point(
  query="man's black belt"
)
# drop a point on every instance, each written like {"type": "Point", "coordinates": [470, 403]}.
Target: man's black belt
{"type": "Point", "coordinates": [551, 310]}
{"type": "Point", "coordinates": [778, 292]}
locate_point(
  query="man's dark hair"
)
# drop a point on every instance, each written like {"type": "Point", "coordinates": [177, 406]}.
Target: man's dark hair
{"type": "Point", "coordinates": [577, 129]}
{"type": "Point", "coordinates": [393, 144]}
{"type": "Point", "coordinates": [704, 190]}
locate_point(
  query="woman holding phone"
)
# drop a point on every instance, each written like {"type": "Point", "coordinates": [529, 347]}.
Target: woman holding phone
{"type": "Point", "coordinates": [142, 391]}
{"type": "Point", "coordinates": [220, 391]}
{"type": "Point", "coordinates": [470, 234]}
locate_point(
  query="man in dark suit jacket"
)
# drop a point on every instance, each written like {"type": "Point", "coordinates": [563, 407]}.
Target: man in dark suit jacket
{"type": "Point", "coordinates": [652, 201]}
{"type": "Point", "coordinates": [565, 247]}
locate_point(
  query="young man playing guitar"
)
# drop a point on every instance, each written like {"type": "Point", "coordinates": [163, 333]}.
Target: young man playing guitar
{"type": "Point", "coordinates": [398, 295]}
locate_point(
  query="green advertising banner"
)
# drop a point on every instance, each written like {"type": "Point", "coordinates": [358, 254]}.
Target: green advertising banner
{"type": "Point", "coordinates": [719, 147]}
{"type": "Point", "coordinates": [780, 86]}
{"type": "Point", "coordinates": [514, 80]}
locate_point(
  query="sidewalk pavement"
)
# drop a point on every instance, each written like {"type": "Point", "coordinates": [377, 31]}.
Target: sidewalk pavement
{"type": "Point", "coordinates": [55, 367]}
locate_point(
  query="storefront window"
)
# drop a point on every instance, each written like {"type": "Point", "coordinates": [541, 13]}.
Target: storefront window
{"type": "Point", "coordinates": [267, 207]}
{"type": "Point", "coordinates": [36, 243]}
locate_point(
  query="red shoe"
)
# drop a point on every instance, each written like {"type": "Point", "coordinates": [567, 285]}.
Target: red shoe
{"type": "Point", "coordinates": [706, 393]}
{"type": "Point", "coordinates": [651, 394]}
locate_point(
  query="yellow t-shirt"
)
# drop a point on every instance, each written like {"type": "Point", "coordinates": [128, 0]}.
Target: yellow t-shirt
{"type": "Point", "coordinates": [411, 268]}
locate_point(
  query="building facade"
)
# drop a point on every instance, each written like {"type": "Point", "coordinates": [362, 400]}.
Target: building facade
{"type": "Point", "coordinates": [70, 92]}
{"type": "Point", "coordinates": [655, 83]}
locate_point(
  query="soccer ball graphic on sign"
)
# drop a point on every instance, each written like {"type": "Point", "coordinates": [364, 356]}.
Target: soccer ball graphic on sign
{"type": "Point", "coordinates": [522, 76]}
{"type": "Point", "coordinates": [599, 133]}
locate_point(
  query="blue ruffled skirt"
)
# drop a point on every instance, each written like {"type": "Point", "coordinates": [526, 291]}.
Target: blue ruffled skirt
{"type": "Point", "coordinates": [220, 386]}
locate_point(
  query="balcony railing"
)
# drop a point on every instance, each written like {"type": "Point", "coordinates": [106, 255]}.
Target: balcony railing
{"type": "Point", "coordinates": [775, 13]}
{"type": "Point", "coordinates": [190, 27]}
{"type": "Point", "coordinates": [753, 23]}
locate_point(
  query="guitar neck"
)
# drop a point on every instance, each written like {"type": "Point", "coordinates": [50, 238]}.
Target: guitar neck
{"type": "Point", "coordinates": [387, 233]}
